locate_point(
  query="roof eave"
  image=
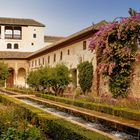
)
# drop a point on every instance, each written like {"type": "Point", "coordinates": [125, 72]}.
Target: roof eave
{"type": "Point", "coordinates": [86, 32]}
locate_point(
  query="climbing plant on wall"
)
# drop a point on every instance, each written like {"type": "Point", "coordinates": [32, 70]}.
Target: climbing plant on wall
{"type": "Point", "coordinates": [116, 45]}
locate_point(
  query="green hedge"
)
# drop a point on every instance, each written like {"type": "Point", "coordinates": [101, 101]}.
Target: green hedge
{"type": "Point", "coordinates": [55, 127]}
{"type": "Point", "coordinates": [117, 111]}
{"type": "Point", "coordinates": [21, 90]}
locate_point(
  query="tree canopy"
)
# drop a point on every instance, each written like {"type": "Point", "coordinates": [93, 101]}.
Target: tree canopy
{"type": "Point", "coordinates": [57, 78]}
{"type": "Point", "coordinates": [85, 75]}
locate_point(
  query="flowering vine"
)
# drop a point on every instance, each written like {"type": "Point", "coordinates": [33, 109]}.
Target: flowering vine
{"type": "Point", "coordinates": [116, 45]}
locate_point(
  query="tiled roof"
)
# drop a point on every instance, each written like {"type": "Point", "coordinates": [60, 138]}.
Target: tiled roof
{"type": "Point", "coordinates": [13, 55]}
{"type": "Point", "coordinates": [29, 55]}
{"type": "Point", "coordinates": [67, 39]}
{"type": "Point", "coordinates": [20, 21]}
{"type": "Point", "coordinates": [52, 39]}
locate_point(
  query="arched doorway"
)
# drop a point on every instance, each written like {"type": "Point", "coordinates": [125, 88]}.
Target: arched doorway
{"type": "Point", "coordinates": [10, 79]}
{"type": "Point", "coordinates": [21, 77]}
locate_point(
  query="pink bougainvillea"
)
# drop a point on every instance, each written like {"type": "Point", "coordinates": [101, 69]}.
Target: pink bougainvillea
{"type": "Point", "coordinates": [116, 43]}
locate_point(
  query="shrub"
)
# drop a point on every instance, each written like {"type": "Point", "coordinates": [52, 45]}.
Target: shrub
{"type": "Point", "coordinates": [122, 111]}
{"type": "Point", "coordinates": [14, 125]}
{"type": "Point", "coordinates": [57, 128]}
{"type": "Point", "coordinates": [2, 83]}
{"type": "Point", "coordinates": [57, 78]}
{"type": "Point", "coordinates": [13, 133]}
{"type": "Point", "coordinates": [117, 111]}
{"type": "Point", "coordinates": [33, 79]}
{"type": "Point", "coordinates": [85, 75]}
{"type": "Point", "coordinates": [4, 73]}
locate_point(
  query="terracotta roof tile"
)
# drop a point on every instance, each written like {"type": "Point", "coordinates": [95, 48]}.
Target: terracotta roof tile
{"type": "Point", "coordinates": [28, 55]}
{"type": "Point", "coordinates": [13, 55]}
{"type": "Point", "coordinates": [20, 21]}
{"type": "Point", "coordinates": [88, 29]}
{"type": "Point", "coordinates": [52, 39]}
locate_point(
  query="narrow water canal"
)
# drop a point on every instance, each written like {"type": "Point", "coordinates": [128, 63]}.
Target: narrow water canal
{"type": "Point", "coordinates": [71, 117]}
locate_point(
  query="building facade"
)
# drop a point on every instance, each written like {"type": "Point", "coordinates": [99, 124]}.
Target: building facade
{"type": "Point", "coordinates": [23, 35]}
{"type": "Point", "coordinates": [70, 51]}
{"type": "Point", "coordinates": [25, 48]}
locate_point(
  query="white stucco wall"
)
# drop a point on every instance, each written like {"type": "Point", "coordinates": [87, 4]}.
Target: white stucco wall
{"type": "Point", "coordinates": [71, 61]}
{"type": "Point", "coordinates": [25, 44]}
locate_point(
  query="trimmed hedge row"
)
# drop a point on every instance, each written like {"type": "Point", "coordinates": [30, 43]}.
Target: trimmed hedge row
{"type": "Point", "coordinates": [117, 111]}
{"type": "Point", "coordinates": [55, 127]}
{"type": "Point", "coordinates": [20, 90]}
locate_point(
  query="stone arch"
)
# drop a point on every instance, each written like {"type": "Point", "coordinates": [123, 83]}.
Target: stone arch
{"type": "Point", "coordinates": [21, 77]}
{"type": "Point", "coordinates": [10, 79]}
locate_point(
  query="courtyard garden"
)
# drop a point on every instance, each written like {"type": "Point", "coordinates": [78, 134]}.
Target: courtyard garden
{"type": "Point", "coordinates": [116, 48]}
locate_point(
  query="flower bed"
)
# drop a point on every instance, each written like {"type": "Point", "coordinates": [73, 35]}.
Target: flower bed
{"type": "Point", "coordinates": [16, 127]}
{"type": "Point", "coordinates": [55, 127]}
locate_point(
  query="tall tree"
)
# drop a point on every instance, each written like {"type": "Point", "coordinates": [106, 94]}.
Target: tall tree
{"type": "Point", "coordinates": [85, 75]}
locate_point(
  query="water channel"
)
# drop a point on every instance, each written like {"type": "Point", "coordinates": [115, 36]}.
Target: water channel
{"type": "Point", "coordinates": [71, 117]}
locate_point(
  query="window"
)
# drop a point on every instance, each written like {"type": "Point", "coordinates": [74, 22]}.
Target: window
{"type": "Point", "coordinates": [0, 31]}
{"type": "Point", "coordinates": [48, 59]}
{"type": "Point", "coordinates": [13, 32]}
{"type": "Point", "coordinates": [32, 63]}
{"type": "Point", "coordinates": [8, 32]}
{"type": "Point", "coordinates": [35, 62]}
{"type": "Point", "coordinates": [9, 46]}
{"type": "Point", "coordinates": [54, 59]}
{"type": "Point", "coordinates": [17, 31]}
{"type": "Point", "coordinates": [43, 61]}
{"type": "Point", "coordinates": [32, 44]}
{"type": "Point", "coordinates": [34, 35]}
{"type": "Point", "coordinates": [16, 46]}
{"type": "Point", "coordinates": [68, 52]}
{"type": "Point", "coordinates": [84, 45]}
{"type": "Point", "coordinates": [61, 56]}
{"type": "Point", "coordinates": [39, 61]}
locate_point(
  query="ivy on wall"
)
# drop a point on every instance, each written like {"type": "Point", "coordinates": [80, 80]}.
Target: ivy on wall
{"type": "Point", "coordinates": [116, 45]}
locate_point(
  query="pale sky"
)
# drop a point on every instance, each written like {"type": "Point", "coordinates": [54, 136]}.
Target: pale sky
{"type": "Point", "coordinates": [64, 17]}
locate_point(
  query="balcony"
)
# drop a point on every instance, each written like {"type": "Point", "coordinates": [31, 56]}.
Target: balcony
{"type": "Point", "coordinates": [13, 36]}
{"type": "Point", "coordinates": [13, 32]}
